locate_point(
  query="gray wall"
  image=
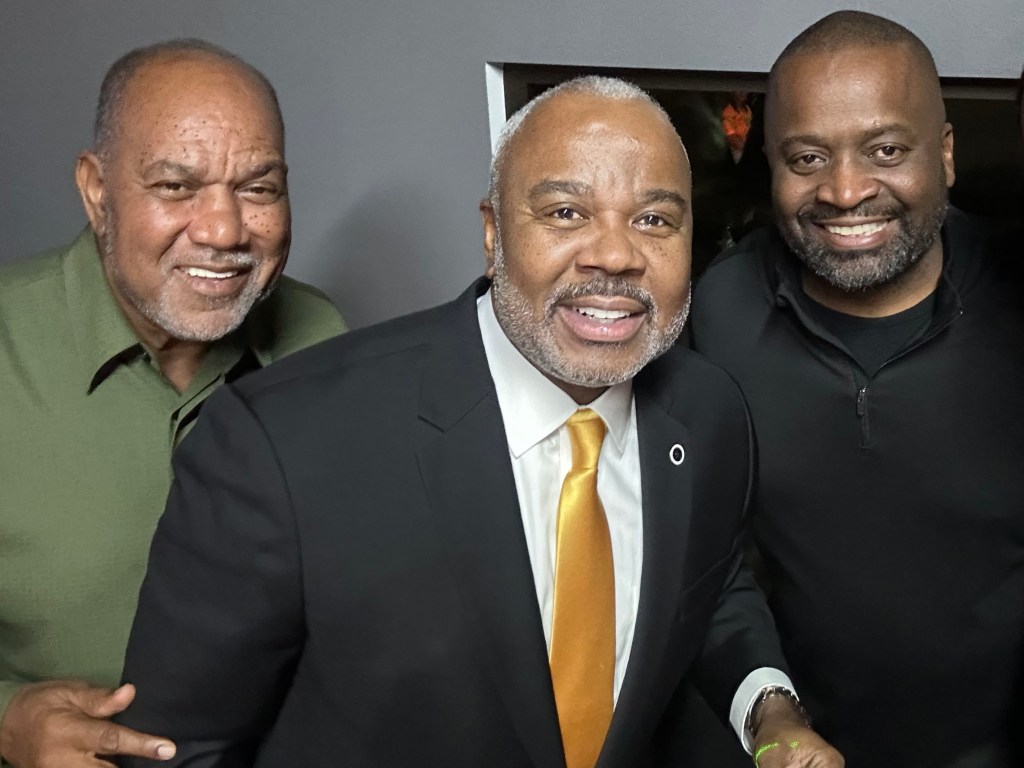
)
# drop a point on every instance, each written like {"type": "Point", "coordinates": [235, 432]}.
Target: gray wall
{"type": "Point", "coordinates": [385, 105]}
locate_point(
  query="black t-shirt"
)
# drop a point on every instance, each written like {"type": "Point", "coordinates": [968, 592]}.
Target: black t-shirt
{"type": "Point", "coordinates": [874, 340]}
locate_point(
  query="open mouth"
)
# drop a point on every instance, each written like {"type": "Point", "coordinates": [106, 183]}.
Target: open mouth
{"type": "Point", "coordinates": [615, 322]}
{"type": "Point", "coordinates": [214, 282]}
{"type": "Point", "coordinates": [857, 229]}
{"type": "Point", "coordinates": [855, 235]}
{"type": "Point", "coordinates": [603, 314]}
{"type": "Point", "coordinates": [209, 273]}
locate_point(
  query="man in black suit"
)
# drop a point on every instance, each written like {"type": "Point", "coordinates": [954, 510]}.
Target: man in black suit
{"type": "Point", "coordinates": [359, 561]}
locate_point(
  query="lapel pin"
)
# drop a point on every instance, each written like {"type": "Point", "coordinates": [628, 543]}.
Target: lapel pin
{"type": "Point", "coordinates": [676, 454]}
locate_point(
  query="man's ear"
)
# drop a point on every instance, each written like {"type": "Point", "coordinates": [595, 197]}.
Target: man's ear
{"type": "Point", "coordinates": [89, 180]}
{"type": "Point", "coordinates": [947, 154]}
{"type": "Point", "coordinates": [490, 221]}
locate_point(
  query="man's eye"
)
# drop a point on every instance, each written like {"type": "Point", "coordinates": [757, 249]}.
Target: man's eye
{"type": "Point", "coordinates": [651, 220]}
{"type": "Point", "coordinates": [888, 152]}
{"type": "Point", "coordinates": [172, 189]}
{"type": "Point", "coordinates": [805, 162]}
{"type": "Point", "coordinates": [566, 214]}
{"type": "Point", "coordinates": [261, 193]}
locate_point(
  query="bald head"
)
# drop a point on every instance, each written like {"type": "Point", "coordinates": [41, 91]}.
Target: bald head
{"type": "Point", "coordinates": [849, 30]}
{"type": "Point", "coordinates": [125, 72]}
{"type": "Point", "coordinates": [854, 29]}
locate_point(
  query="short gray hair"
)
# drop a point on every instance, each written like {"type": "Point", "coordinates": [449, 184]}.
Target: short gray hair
{"type": "Point", "coordinates": [122, 71]}
{"type": "Point", "coordinates": [592, 85]}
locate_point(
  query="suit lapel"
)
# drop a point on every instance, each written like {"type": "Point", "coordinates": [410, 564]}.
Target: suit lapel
{"type": "Point", "coordinates": [467, 476]}
{"type": "Point", "coordinates": [666, 488]}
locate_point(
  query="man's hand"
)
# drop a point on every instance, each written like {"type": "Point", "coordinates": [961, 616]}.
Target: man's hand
{"type": "Point", "coordinates": [63, 724]}
{"type": "Point", "coordinates": [782, 739]}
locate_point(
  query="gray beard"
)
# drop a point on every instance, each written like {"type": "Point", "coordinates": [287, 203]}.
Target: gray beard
{"type": "Point", "coordinates": [537, 343]}
{"type": "Point", "coordinates": [201, 326]}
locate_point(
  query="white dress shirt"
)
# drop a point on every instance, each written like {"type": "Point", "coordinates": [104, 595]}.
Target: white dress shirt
{"type": "Point", "coordinates": [534, 411]}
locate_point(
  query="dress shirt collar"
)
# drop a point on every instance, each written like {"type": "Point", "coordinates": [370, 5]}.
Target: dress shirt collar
{"type": "Point", "coordinates": [532, 405]}
{"type": "Point", "coordinates": [102, 333]}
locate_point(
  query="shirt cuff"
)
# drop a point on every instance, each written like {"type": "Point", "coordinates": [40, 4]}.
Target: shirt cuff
{"type": "Point", "coordinates": [746, 695]}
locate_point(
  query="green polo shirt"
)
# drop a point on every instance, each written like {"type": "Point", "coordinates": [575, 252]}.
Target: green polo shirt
{"type": "Point", "coordinates": [87, 427]}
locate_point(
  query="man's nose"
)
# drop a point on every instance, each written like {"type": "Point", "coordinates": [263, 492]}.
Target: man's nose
{"type": "Point", "coordinates": [612, 248]}
{"type": "Point", "coordinates": [848, 182]}
{"type": "Point", "coordinates": [217, 220]}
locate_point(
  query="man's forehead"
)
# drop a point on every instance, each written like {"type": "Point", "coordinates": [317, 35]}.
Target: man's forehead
{"type": "Point", "coordinates": [558, 131]}
{"type": "Point", "coordinates": [882, 84]}
{"type": "Point", "coordinates": [195, 79]}
{"type": "Point", "coordinates": [578, 112]}
{"type": "Point", "coordinates": [178, 97]}
{"type": "Point", "coordinates": [836, 70]}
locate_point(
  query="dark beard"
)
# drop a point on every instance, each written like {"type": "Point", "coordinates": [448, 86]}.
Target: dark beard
{"type": "Point", "coordinates": [861, 270]}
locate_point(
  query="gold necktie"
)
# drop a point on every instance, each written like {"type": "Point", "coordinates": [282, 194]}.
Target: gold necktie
{"type": "Point", "coordinates": [583, 621]}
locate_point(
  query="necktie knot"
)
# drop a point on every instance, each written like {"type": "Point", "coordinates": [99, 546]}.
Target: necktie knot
{"type": "Point", "coordinates": [586, 433]}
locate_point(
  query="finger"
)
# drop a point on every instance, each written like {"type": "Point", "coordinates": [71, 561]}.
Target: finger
{"type": "Point", "coordinates": [113, 739]}
{"type": "Point", "coordinates": [117, 701]}
{"type": "Point", "coordinates": [102, 702]}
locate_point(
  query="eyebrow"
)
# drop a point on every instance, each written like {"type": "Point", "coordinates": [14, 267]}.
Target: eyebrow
{"type": "Point", "coordinates": [558, 186]}
{"type": "Point", "coordinates": [815, 140]}
{"type": "Point", "coordinates": [169, 166]}
{"type": "Point", "coordinates": [268, 167]}
{"type": "Point", "coordinates": [191, 172]}
{"type": "Point", "coordinates": [578, 189]}
{"type": "Point", "coordinates": [664, 196]}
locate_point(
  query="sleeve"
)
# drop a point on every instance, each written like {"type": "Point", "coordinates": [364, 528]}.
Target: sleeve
{"type": "Point", "coordinates": [742, 638]}
{"type": "Point", "coordinates": [219, 626]}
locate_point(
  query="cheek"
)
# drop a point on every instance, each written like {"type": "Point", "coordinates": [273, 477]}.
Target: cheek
{"type": "Point", "coordinates": [789, 194]}
{"type": "Point", "coordinates": [671, 283]}
{"type": "Point", "coordinates": [535, 258]}
{"type": "Point", "coordinates": [270, 224]}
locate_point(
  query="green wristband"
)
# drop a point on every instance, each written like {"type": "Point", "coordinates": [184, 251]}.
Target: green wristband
{"type": "Point", "coordinates": [761, 750]}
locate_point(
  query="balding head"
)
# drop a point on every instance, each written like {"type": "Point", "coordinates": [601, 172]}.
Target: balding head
{"type": "Point", "coordinates": [608, 88]}
{"type": "Point", "coordinates": [854, 29]}
{"type": "Point", "coordinates": [123, 73]}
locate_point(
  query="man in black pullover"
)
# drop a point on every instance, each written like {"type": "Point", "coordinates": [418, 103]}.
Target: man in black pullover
{"type": "Point", "coordinates": [880, 346]}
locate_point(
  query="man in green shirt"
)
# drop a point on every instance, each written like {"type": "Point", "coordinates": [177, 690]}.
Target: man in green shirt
{"type": "Point", "coordinates": [107, 350]}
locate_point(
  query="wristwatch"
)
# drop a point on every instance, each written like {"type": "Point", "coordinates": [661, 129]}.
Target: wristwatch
{"type": "Point", "coordinates": [766, 693]}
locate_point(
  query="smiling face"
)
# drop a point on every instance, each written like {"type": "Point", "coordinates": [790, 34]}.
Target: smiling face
{"type": "Point", "coordinates": [591, 257]}
{"type": "Point", "coordinates": [861, 162]}
{"type": "Point", "coordinates": [190, 204]}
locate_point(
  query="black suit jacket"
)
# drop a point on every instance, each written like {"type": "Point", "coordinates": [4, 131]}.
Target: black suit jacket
{"type": "Point", "coordinates": [341, 576]}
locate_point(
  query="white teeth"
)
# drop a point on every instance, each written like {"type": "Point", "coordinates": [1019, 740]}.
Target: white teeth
{"type": "Point", "coordinates": [197, 272]}
{"type": "Point", "coordinates": [859, 229]}
{"type": "Point", "coordinates": [602, 314]}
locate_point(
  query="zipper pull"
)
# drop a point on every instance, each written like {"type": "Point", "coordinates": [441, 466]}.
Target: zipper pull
{"type": "Point", "coordinates": [862, 400]}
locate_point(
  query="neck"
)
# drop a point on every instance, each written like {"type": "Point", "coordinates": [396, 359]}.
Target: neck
{"type": "Point", "coordinates": [904, 292]}
{"type": "Point", "coordinates": [179, 361]}
{"type": "Point", "coordinates": [581, 394]}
